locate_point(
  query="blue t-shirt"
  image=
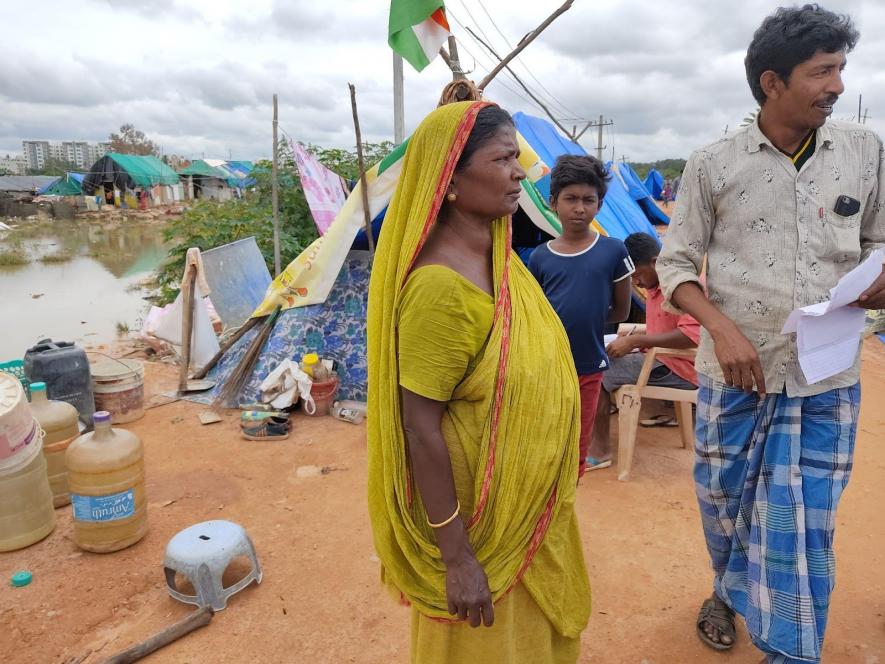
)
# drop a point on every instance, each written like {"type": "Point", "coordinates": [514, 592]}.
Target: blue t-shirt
{"type": "Point", "coordinates": [580, 288]}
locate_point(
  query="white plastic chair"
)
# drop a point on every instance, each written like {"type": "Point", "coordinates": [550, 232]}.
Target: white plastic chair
{"type": "Point", "coordinates": [629, 402]}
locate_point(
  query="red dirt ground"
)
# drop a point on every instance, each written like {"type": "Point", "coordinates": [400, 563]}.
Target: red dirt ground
{"type": "Point", "coordinates": [320, 600]}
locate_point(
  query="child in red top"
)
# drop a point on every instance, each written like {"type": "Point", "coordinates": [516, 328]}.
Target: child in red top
{"type": "Point", "coordinates": [662, 329]}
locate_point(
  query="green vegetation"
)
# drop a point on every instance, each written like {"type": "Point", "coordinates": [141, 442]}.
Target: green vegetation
{"type": "Point", "coordinates": [122, 327]}
{"type": "Point", "coordinates": [13, 257]}
{"type": "Point", "coordinates": [58, 257]}
{"type": "Point", "coordinates": [669, 168]}
{"type": "Point", "coordinates": [208, 224]}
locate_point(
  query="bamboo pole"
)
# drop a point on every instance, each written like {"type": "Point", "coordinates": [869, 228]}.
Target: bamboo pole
{"type": "Point", "coordinates": [362, 164]}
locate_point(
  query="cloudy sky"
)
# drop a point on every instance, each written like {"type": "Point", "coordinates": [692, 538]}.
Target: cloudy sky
{"type": "Point", "coordinates": [197, 75]}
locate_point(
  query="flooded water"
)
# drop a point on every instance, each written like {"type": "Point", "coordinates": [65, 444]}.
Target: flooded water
{"type": "Point", "coordinates": [84, 299]}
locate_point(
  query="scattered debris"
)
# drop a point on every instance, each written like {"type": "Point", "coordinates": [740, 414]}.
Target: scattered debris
{"type": "Point", "coordinates": [177, 419]}
{"type": "Point", "coordinates": [208, 417]}
{"type": "Point", "coordinates": [21, 579]}
{"type": "Point", "coordinates": [316, 471]}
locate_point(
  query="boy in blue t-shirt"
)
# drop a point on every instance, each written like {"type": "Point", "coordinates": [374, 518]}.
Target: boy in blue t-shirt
{"type": "Point", "coordinates": [586, 277]}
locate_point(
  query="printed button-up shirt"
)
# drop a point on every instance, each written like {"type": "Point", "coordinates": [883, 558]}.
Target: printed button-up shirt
{"type": "Point", "coordinates": [771, 238]}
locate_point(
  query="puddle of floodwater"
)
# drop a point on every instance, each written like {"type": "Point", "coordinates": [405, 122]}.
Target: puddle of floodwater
{"type": "Point", "coordinates": [82, 299]}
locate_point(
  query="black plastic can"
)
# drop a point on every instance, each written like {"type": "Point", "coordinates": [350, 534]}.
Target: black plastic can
{"type": "Point", "coordinates": [64, 367]}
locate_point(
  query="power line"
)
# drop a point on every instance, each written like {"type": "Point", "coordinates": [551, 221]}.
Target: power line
{"type": "Point", "coordinates": [555, 101]}
{"type": "Point", "coordinates": [485, 62]}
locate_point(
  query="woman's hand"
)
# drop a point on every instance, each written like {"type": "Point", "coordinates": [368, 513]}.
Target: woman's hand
{"type": "Point", "coordinates": [467, 589]}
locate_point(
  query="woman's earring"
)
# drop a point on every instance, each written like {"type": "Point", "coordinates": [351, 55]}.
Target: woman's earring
{"type": "Point", "coordinates": [451, 197]}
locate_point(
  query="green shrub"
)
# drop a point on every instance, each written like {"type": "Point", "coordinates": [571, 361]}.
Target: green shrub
{"type": "Point", "coordinates": [209, 224]}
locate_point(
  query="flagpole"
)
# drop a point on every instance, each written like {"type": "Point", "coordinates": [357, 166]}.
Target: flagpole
{"type": "Point", "coordinates": [399, 109]}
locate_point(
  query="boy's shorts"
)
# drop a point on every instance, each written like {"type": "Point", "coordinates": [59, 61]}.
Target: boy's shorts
{"type": "Point", "coordinates": [625, 371]}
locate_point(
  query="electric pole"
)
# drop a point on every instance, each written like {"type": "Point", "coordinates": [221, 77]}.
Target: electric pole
{"type": "Point", "coordinates": [599, 125]}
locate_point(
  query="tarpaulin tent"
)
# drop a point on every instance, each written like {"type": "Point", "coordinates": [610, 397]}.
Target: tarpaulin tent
{"type": "Point", "coordinates": [640, 194]}
{"type": "Point", "coordinates": [70, 184]}
{"type": "Point", "coordinates": [128, 171]}
{"type": "Point", "coordinates": [654, 183]}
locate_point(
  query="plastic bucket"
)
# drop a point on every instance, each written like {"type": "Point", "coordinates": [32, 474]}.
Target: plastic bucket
{"type": "Point", "coordinates": [26, 451]}
{"type": "Point", "coordinates": [16, 419]}
{"type": "Point", "coordinates": [118, 386]}
{"type": "Point", "coordinates": [323, 395]}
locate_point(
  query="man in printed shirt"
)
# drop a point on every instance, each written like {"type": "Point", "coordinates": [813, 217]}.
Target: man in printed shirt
{"type": "Point", "coordinates": [780, 210]}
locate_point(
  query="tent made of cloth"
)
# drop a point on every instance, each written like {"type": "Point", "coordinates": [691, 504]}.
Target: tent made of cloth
{"type": "Point", "coordinates": [654, 184]}
{"type": "Point", "coordinates": [128, 171]}
{"type": "Point", "coordinates": [621, 214]}
{"type": "Point", "coordinates": [639, 193]}
{"type": "Point", "coordinates": [204, 169]}
{"type": "Point", "coordinates": [334, 329]}
{"type": "Point", "coordinates": [70, 184]}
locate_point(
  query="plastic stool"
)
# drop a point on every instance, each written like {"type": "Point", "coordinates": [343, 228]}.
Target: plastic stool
{"type": "Point", "coordinates": [201, 553]}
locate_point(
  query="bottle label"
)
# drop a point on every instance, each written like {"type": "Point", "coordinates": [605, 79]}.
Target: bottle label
{"type": "Point", "coordinates": [103, 508]}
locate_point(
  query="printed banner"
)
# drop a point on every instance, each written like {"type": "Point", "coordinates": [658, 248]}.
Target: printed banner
{"type": "Point", "coordinates": [323, 189]}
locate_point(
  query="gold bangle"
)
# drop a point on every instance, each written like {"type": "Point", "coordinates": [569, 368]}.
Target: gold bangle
{"type": "Point", "coordinates": [447, 521]}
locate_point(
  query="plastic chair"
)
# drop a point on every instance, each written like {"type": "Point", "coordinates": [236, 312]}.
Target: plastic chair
{"type": "Point", "coordinates": [629, 402]}
{"type": "Point", "coordinates": [201, 553]}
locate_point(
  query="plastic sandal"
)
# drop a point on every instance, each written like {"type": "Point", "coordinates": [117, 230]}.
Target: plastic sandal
{"type": "Point", "coordinates": [266, 431]}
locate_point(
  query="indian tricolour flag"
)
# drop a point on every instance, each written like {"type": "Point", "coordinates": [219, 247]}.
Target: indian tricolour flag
{"type": "Point", "coordinates": [417, 29]}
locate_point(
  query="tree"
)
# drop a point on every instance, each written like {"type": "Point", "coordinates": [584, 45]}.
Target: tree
{"type": "Point", "coordinates": [345, 162]}
{"type": "Point", "coordinates": [54, 167]}
{"type": "Point", "coordinates": [208, 224]}
{"type": "Point", "coordinates": [132, 141]}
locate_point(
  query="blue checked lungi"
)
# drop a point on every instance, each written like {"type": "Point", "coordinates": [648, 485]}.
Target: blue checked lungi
{"type": "Point", "coordinates": [769, 474]}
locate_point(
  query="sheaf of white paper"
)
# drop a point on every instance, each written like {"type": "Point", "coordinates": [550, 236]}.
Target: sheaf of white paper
{"type": "Point", "coordinates": [828, 333]}
{"type": "Point", "coordinates": [843, 293]}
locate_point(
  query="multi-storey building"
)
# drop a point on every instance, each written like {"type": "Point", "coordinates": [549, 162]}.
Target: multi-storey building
{"type": "Point", "coordinates": [14, 165]}
{"type": "Point", "coordinates": [79, 153]}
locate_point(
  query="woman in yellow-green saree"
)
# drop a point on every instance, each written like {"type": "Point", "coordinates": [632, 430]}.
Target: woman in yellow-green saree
{"type": "Point", "coordinates": [473, 410]}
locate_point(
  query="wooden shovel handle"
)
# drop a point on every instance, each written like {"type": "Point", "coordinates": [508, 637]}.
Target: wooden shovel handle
{"type": "Point", "coordinates": [172, 633]}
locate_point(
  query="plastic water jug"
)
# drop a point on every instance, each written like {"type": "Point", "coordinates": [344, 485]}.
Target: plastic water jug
{"type": "Point", "coordinates": [59, 423]}
{"type": "Point", "coordinates": [64, 368]}
{"type": "Point", "coordinates": [106, 479]}
{"type": "Point", "coordinates": [26, 512]}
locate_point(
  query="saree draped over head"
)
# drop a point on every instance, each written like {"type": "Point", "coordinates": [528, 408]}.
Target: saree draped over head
{"type": "Point", "coordinates": [511, 426]}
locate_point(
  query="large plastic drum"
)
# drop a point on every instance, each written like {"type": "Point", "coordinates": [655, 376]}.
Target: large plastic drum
{"type": "Point", "coordinates": [16, 419]}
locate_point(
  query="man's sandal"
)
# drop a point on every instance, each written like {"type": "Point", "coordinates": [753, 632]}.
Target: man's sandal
{"type": "Point", "coordinates": [716, 613]}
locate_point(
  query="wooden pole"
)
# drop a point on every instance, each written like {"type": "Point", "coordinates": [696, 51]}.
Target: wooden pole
{"type": "Point", "coordinates": [175, 631]}
{"type": "Point", "coordinates": [455, 64]}
{"type": "Point", "coordinates": [362, 164]}
{"type": "Point", "coordinates": [581, 133]}
{"type": "Point", "coordinates": [525, 41]}
{"type": "Point", "coordinates": [522, 85]}
{"type": "Point", "coordinates": [275, 193]}
{"type": "Point", "coordinates": [187, 324]}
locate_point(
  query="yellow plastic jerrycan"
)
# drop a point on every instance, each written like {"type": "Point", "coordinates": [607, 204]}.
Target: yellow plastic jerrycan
{"type": "Point", "coordinates": [106, 479]}
{"type": "Point", "coordinates": [58, 420]}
